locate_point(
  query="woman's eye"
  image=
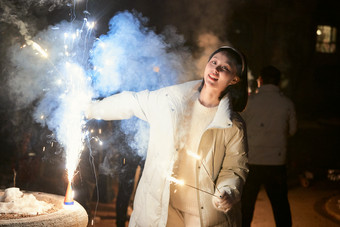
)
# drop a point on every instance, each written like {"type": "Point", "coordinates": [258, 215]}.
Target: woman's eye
{"type": "Point", "coordinates": [224, 68]}
{"type": "Point", "coordinates": [213, 62]}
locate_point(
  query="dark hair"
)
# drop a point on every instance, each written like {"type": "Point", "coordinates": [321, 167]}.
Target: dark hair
{"type": "Point", "coordinates": [238, 93]}
{"type": "Point", "coordinates": [270, 75]}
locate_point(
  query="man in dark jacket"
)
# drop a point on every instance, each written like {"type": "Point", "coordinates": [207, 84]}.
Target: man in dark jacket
{"type": "Point", "coordinates": [270, 119]}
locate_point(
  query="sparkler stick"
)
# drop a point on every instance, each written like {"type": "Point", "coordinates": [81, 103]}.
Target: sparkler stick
{"type": "Point", "coordinates": [200, 190]}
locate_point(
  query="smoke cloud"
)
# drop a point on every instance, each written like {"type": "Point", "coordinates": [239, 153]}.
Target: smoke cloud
{"type": "Point", "coordinates": [133, 57]}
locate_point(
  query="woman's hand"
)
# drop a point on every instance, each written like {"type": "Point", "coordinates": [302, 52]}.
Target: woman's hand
{"type": "Point", "coordinates": [222, 201]}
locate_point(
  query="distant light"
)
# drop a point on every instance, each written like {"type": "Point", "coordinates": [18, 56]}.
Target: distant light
{"type": "Point", "coordinates": [318, 32]}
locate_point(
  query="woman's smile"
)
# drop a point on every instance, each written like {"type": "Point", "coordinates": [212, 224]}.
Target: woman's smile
{"type": "Point", "coordinates": [213, 76]}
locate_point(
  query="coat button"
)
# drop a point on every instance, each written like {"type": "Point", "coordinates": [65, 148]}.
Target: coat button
{"type": "Point", "coordinates": [202, 208]}
{"type": "Point", "coordinates": [199, 167]}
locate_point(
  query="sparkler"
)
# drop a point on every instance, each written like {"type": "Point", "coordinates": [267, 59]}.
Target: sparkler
{"type": "Point", "coordinates": [198, 157]}
{"type": "Point", "coordinates": [38, 48]}
{"type": "Point", "coordinates": [181, 182]}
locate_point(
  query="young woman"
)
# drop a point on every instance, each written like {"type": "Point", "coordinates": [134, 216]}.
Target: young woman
{"type": "Point", "coordinates": [196, 136]}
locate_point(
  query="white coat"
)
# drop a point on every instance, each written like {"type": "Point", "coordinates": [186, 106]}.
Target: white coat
{"type": "Point", "coordinates": [223, 149]}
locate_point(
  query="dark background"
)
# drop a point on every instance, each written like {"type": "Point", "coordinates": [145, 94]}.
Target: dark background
{"type": "Point", "coordinates": [281, 33]}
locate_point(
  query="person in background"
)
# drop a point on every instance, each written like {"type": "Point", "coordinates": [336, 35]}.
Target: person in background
{"type": "Point", "coordinates": [194, 119]}
{"type": "Point", "coordinates": [270, 119]}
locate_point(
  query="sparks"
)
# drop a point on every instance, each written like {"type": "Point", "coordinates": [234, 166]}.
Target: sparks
{"type": "Point", "coordinates": [181, 182]}
{"type": "Point", "coordinates": [194, 155]}
{"type": "Point", "coordinates": [38, 48]}
{"type": "Point", "coordinates": [73, 123]}
{"type": "Point", "coordinates": [176, 181]}
{"type": "Point", "coordinates": [90, 25]}
{"type": "Point", "coordinates": [198, 157]}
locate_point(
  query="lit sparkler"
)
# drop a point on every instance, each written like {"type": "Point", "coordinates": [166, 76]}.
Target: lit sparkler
{"type": "Point", "coordinates": [181, 182]}
{"type": "Point", "coordinates": [198, 157]}
{"type": "Point", "coordinates": [37, 47]}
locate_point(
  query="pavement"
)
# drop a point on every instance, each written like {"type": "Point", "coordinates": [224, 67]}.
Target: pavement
{"type": "Point", "coordinates": [332, 207]}
{"type": "Point", "coordinates": [317, 204]}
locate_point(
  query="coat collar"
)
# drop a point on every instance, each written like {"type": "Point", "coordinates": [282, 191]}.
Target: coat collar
{"type": "Point", "coordinates": [222, 117]}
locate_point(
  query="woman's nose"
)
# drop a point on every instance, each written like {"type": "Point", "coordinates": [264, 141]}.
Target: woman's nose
{"type": "Point", "coordinates": [218, 69]}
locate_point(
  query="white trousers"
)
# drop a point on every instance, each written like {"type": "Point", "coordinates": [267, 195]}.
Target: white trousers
{"type": "Point", "coordinates": [177, 218]}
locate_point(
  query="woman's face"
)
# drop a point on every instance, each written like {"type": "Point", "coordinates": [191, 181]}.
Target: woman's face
{"type": "Point", "coordinates": [219, 73]}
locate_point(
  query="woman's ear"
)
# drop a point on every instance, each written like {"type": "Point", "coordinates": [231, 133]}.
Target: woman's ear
{"type": "Point", "coordinates": [235, 80]}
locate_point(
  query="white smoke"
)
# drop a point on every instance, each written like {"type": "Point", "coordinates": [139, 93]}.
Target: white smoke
{"type": "Point", "coordinates": [133, 57]}
{"type": "Point", "coordinates": [132, 52]}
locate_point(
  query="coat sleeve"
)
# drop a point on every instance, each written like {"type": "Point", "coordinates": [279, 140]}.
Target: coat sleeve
{"type": "Point", "coordinates": [234, 169]}
{"type": "Point", "coordinates": [120, 106]}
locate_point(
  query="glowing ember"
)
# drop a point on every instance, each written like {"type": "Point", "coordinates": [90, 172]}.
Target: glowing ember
{"type": "Point", "coordinates": [38, 48]}
{"type": "Point", "coordinates": [194, 155]}
{"type": "Point", "coordinates": [176, 181]}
